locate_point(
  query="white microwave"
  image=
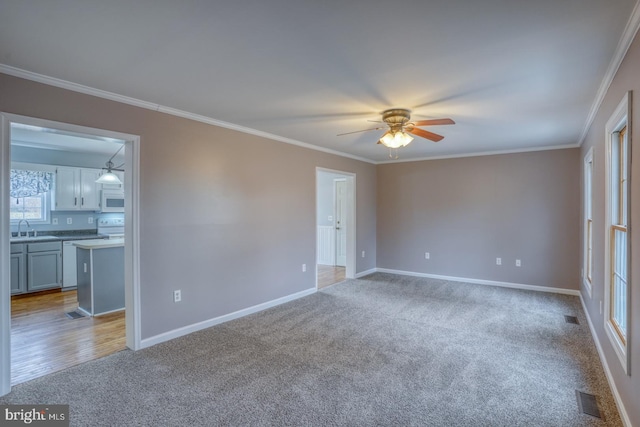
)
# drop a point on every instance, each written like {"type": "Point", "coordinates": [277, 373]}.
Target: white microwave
{"type": "Point", "coordinates": [112, 201]}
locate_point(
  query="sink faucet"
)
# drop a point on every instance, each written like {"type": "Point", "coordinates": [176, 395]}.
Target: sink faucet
{"type": "Point", "coordinates": [20, 223]}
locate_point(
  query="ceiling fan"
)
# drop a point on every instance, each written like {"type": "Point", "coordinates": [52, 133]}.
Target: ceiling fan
{"type": "Point", "coordinates": [399, 127]}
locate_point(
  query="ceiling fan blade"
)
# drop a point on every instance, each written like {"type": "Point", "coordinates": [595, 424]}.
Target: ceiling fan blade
{"type": "Point", "coordinates": [434, 122]}
{"type": "Point", "coordinates": [382, 136]}
{"type": "Point", "coordinates": [365, 130]}
{"type": "Point", "coordinates": [426, 134]}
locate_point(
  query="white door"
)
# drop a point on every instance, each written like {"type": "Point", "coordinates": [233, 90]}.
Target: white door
{"type": "Point", "coordinates": [341, 225]}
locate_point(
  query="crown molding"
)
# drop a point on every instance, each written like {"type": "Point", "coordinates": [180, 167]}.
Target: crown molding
{"type": "Point", "coordinates": [75, 87]}
{"type": "Point", "coordinates": [629, 33]}
{"type": "Point", "coordinates": [484, 153]}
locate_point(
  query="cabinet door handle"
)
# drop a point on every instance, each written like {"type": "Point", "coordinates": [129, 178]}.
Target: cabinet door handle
{"type": "Point", "coordinates": [75, 201]}
{"type": "Point", "coordinates": [82, 201]}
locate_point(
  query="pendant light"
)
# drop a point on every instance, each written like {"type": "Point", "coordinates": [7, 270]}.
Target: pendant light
{"type": "Point", "coordinates": [110, 177]}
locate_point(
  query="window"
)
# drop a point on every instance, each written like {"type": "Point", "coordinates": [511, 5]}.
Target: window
{"type": "Point", "coordinates": [618, 249]}
{"type": "Point", "coordinates": [617, 244]}
{"type": "Point", "coordinates": [34, 208]}
{"type": "Point", "coordinates": [30, 195]}
{"type": "Point", "coordinates": [588, 221]}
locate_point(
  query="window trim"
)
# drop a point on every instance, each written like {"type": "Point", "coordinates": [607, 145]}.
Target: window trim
{"type": "Point", "coordinates": [46, 212]}
{"type": "Point", "coordinates": [620, 119]}
{"type": "Point", "coordinates": [587, 266]}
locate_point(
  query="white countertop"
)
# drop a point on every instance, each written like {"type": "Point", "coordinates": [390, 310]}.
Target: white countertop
{"type": "Point", "coordinates": [99, 243]}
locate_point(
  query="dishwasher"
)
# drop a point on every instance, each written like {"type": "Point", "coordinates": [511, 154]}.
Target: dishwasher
{"type": "Point", "coordinates": [69, 273]}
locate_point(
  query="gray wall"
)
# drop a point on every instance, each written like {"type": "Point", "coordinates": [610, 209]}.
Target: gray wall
{"type": "Point", "coordinates": [466, 212]}
{"type": "Point", "coordinates": [227, 217]}
{"type": "Point", "coordinates": [627, 78]}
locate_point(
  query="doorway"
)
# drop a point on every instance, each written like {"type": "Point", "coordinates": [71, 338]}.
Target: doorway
{"type": "Point", "coordinates": [131, 248]}
{"type": "Point", "coordinates": [335, 225]}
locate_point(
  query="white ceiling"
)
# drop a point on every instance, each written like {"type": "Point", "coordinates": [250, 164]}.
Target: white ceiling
{"type": "Point", "coordinates": [514, 75]}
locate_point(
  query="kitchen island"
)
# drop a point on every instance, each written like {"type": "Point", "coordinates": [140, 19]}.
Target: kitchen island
{"type": "Point", "coordinates": [100, 266]}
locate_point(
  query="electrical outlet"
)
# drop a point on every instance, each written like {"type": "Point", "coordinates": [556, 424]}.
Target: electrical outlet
{"type": "Point", "coordinates": [304, 268]}
{"type": "Point", "coordinates": [54, 221]}
{"type": "Point", "coordinates": [498, 261]}
{"type": "Point", "coordinates": [90, 220]}
{"type": "Point", "coordinates": [427, 255]}
{"type": "Point", "coordinates": [518, 263]}
{"type": "Point", "coordinates": [362, 254]}
{"type": "Point", "coordinates": [177, 295]}
{"type": "Point", "coordinates": [69, 221]}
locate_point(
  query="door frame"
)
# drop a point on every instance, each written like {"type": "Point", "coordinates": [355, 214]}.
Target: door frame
{"type": "Point", "coordinates": [132, 233]}
{"type": "Point", "coordinates": [350, 270]}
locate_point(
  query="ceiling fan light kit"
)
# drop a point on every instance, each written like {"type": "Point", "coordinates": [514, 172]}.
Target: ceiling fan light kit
{"type": "Point", "coordinates": [396, 139]}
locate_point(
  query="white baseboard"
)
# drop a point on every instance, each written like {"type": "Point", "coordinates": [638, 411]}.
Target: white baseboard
{"type": "Point", "coordinates": [366, 273]}
{"type": "Point", "coordinates": [166, 336]}
{"type": "Point", "coordinates": [483, 282]}
{"type": "Point", "coordinates": [616, 395]}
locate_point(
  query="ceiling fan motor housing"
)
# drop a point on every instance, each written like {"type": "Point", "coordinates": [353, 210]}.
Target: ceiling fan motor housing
{"type": "Point", "coordinates": [396, 118]}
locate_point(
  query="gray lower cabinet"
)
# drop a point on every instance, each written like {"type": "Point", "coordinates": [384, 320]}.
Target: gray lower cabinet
{"type": "Point", "coordinates": [100, 279]}
{"type": "Point", "coordinates": [44, 266]}
{"type": "Point", "coordinates": [18, 269]}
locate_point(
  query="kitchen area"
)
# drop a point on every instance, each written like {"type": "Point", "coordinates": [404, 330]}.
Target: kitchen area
{"type": "Point", "coordinates": [49, 261]}
{"type": "Point", "coordinates": [67, 249]}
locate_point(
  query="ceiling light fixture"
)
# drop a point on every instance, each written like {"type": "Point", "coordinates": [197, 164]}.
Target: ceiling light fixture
{"type": "Point", "coordinates": [396, 139]}
{"type": "Point", "coordinates": [110, 177]}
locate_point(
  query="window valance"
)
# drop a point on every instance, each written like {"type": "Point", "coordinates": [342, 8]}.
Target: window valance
{"type": "Point", "coordinates": [28, 183]}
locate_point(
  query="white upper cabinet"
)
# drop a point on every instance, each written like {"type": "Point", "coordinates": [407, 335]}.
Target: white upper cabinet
{"type": "Point", "coordinates": [76, 189]}
{"type": "Point", "coordinates": [67, 188]}
{"type": "Point", "coordinates": [89, 190]}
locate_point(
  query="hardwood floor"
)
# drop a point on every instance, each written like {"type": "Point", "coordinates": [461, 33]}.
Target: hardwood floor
{"type": "Point", "coordinates": [329, 275]}
{"type": "Point", "coordinates": [45, 340]}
